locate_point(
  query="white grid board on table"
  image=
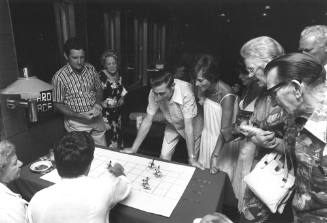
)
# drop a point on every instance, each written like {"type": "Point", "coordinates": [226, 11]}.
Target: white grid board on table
{"type": "Point", "coordinates": [170, 185]}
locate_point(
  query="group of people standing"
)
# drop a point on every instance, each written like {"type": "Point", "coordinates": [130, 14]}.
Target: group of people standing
{"type": "Point", "coordinates": [290, 107]}
{"type": "Point", "coordinates": [90, 101]}
{"type": "Point", "coordinates": [285, 95]}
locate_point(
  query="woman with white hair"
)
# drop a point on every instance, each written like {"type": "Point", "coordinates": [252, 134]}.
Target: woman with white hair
{"type": "Point", "coordinates": [12, 206]}
{"type": "Point", "coordinates": [267, 116]}
{"type": "Point", "coordinates": [113, 98]}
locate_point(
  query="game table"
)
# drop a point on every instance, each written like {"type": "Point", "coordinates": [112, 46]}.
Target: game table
{"type": "Point", "coordinates": [204, 194]}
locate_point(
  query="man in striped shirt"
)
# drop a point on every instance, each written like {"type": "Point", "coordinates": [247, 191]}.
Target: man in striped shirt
{"type": "Point", "coordinates": [77, 93]}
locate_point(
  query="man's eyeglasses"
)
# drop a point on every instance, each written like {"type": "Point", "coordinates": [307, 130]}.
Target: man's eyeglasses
{"type": "Point", "coordinates": [273, 91]}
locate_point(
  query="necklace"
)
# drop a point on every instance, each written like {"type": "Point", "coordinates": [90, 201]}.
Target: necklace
{"type": "Point", "coordinates": [213, 93]}
{"type": "Point", "coordinates": [111, 77]}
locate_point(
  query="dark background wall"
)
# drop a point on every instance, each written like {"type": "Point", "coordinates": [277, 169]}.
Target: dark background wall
{"type": "Point", "coordinates": [8, 61]}
{"type": "Point", "coordinates": [217, 27]}
{"type": "Point", "coordinates": [8, 66]}
{"type": "Point", "coordinates": [28, 37]}
{"type": "Point", "coordinates": [31, 140]}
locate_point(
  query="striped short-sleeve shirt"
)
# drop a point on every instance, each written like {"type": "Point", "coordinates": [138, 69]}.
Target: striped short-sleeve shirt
{"type": "Point", "coordinates": [77, 91]}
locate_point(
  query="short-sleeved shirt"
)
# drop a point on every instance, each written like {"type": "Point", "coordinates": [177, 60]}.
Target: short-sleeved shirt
{"type": "Point", "coordinates": [81, 199]}
{"type": "Point", "coordinates": [182, 105]}
{"type": "Point", "coordinates": [12, 206]}
{"type": "Point", "coordinates": [310, 199]}
{"type": "Point", "coordinates": [77, 91]}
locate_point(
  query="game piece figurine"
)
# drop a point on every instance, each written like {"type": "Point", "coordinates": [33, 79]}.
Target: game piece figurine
{"type": "Point", "coordinates": [151, 165]}
{"type": "Point", "coordinates": [145, 183]}
{"type": "Point", "coordinates": [157, 172]}
{"type": "Point", "coordinates": [109, 165]}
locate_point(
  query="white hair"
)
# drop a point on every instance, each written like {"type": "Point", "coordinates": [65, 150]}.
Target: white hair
{"type": "Point", "coordinates": [319, 32]}
{"type": "Point", "coordinates": [7, 149]}
{"type": "Point", "coordinates": [263, 48]}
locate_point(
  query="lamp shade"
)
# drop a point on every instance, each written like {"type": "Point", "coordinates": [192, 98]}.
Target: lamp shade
{"type": "Point", "coordinates": [27, 87]}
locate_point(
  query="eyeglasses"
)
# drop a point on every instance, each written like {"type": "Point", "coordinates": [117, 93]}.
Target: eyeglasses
{"type": "Point", "coordinates": [251, 70]}
{"type": "Point", "coordinates": [273, 91]}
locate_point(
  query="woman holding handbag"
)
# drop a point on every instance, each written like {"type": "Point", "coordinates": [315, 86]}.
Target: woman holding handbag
{"type": "Point", "coordinates": [257, 53]}
{"type": "Point", "coordinates": [248, 98]}
{"type": "Point", "coordinates": [296, 83]}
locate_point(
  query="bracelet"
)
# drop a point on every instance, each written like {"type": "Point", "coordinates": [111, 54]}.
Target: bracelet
{"type": "Point", "coordinates": [192, 157]}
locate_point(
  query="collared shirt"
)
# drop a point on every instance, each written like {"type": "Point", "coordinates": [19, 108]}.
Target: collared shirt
{"type": "Point", "coordinates": [310, 199]}
{"type": "Point", "coordinates": [77, 91]}
{"type": "Point", "coordinates": [12, 206]}
{"type": "Point", "coordinates": [182, 105]}
{"type": "Point", "coordinates": [76, 200]}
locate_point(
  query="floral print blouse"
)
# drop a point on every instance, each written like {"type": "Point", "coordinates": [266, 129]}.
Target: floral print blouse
{"type": "Point", "coordinates": [310, 199]}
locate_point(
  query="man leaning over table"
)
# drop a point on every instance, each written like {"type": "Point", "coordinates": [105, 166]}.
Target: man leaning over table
{"type": "Point", "coordinates": [77, 93]}
{"type": "Point", "coordinates": [78, 198]}
{"type": "Point", "coordinates": [175, 99]}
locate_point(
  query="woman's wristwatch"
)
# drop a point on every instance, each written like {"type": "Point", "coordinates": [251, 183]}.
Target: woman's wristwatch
{"type": "Point", "coordinates": [191, 157]}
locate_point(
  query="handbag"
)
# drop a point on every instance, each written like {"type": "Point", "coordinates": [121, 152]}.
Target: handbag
{"type": "Point", "coordinates": [271, 182]}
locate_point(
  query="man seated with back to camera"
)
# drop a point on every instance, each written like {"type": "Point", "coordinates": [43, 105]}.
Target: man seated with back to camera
{"type": "Point", "coordinates": [175, 99]}
{"type": "Point", "coordinates": [77, 197]}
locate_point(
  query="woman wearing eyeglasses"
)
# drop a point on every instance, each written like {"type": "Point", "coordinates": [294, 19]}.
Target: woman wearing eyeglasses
{"type": "Point", "coordinates": [248, 98]}
{"type": "Point", "coordinates": [296, 82]}
{"type": "Point", "coordinates": [12, 206]}
{"type": "Point", "coordinates": [257, 53]}
{"type": "Point", "coordinates": [249, 94]}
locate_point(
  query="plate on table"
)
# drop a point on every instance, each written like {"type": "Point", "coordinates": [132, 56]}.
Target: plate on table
{"type": "Point", "coordinates": [41, 166]}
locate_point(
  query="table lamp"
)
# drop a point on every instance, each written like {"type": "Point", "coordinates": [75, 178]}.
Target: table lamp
{"type": "Point", "coordinates": [29, 89]}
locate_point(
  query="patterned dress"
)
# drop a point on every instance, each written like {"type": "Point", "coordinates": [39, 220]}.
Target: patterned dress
{"type": "Point", "coordinates": [270, 118]}
{"type": "Point", "coordinates": [310, 199]}
{"type": "Point", "coordinates": [245, 158]}
{"type": "Point", "coordinates": [112, 92]}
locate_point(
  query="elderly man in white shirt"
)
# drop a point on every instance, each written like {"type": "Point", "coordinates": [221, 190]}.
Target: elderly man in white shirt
{"type": "Point", "coordinates": [12, 206]}
{"type": "Point", "coordinates": [78, 198]}
{"type": "Point", "coordinates": [313, 40]}
{"type": "Point", "coordinates": [175, 99]}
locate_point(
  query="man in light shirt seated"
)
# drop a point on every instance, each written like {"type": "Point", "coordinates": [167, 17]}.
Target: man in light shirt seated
{"type": "Point", "coordinates": [77, 197]}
